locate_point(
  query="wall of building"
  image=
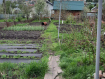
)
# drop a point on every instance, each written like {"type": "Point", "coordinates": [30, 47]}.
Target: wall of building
{"type": "Point", "coordinates": [65, 14]}
{"type": "Point", "coordinates": [49, 7]}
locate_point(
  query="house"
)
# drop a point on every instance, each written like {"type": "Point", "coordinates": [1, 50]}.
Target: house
{"type": "Point", "coordinates": [67, 8]}
{"type": "Point", "coordinates": [49, 7]}
{"type": "Point", "coordinates": [30, 3]}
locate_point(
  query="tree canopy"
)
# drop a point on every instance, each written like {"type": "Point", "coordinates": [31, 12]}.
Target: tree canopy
{"type": "Point", "coordinates": [39, 6]}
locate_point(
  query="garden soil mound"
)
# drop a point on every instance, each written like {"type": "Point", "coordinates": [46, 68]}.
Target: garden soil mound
{"type": "Point", "coordinates": [20, 34]}
{"type": "Point", "coordinates": [69, 28]}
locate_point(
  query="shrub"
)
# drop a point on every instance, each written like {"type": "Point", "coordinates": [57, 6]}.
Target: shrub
{"type": "Point", "coordinates": [91, 6]}
{"type": "Point", "coordinates": [6, 66]}
{"type": "Point", "coordinates": [10, 20]}
{"type": "Point", "coordinates": [70, 19]}
{"type": "Point", "coordinates": [19, 18]}
{"type": "Point", "coordinates": [36, 69]}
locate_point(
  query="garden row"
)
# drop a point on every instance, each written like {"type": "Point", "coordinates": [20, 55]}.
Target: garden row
{"type": "Point", "coordinates": [30, 31]}
{"type": "Point", "coordinates": [22, 44]}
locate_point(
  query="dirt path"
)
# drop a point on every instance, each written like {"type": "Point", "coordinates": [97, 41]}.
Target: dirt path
{"type": "Point", "coordinates": [54, 69]}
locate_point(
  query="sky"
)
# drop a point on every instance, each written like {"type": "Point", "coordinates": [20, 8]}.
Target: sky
{"type": "Point", "coordinates": [1, 1]}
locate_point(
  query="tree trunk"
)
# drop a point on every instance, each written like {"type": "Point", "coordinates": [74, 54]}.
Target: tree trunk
{"type": "Point", "coordinates": [27, 16]}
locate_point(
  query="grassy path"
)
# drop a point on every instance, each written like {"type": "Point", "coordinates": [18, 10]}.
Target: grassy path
{"type": "Point", "coordinates": [51, 37]}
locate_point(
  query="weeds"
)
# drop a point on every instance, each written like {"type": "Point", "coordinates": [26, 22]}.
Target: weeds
{"type": "Point", "coordinates": [35, 69]}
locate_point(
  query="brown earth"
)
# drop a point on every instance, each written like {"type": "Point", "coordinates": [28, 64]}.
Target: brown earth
{"type": "Point", "coordinates": [68, 28]}
{"type": "Point", "coordinates": [20, 34]}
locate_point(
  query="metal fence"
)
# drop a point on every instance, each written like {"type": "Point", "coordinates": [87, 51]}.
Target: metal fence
{"type": "Point", "coordinates": [8, 16]}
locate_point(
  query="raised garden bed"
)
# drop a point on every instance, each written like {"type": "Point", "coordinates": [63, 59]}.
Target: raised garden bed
{"type": "Point", "coordinates": [23, 49]}
{"type": "Point", "coordinates": [20, 34]}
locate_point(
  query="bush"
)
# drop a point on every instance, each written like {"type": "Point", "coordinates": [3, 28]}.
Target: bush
{"type": "Point", "coordinates": [36, 69]}
{"type": "Point", "coordinates": [6, 66]}
{"type": "Point", "coordinates": [9, 20]}
{"type": "Point", "coordinates": [91, 6]}
{"type": "Point", "coordinates": [19, 19]}
{"type": "Point", "coordinates": [70, 19]}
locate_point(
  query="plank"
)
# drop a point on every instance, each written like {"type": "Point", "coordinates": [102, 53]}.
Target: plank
{"type": "Point", "coordinates": [54, 69]}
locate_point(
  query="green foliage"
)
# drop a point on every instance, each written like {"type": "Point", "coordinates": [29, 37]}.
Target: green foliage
{"type": "Point", "coordinates": [70, 19]}
{"type": "Point", "coordinates": [1, 9]}
{"type": "Point", "coordinates": [9, 20]}
{"type": "Point", "coordinates": [91, 6]}
{"type": "Point", "coordinates": [19, 19]}
{"type": "Point", "coordinates": [3, 56]}
{"type": "Point", "coordinates": [35, 69]}
{"type": "Point", "coordinates": [24, 28]}
{"type": "Point", "coordinates": [39, 7]}
{"type": "Point", "coordinates": [26, 10]}
{"type": "Point", "coordinates": [6, 66]}
{"type": "Point", "coordinates": [8, 4]}
{"type": "Point", "coordinates": [23, 70]}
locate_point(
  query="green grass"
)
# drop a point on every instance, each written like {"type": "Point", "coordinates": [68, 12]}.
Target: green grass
{"type": "Point", "coordinates": [24, 28]}
{"type": "Point", "coordinates": [72, 59]}
{"type": "Point", "coordinates": [33, 70]}
{"type": "Point", "coordinates": [2, 20]}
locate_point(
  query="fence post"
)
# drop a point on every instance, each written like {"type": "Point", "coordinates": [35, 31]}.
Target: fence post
{"type": "Point", "coordinates": [98, 38]}
{"type": "Point", "coordinates": [59, 18]}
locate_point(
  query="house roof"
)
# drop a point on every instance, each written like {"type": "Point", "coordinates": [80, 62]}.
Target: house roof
{"type": "Point", "coordinates": [49, 3]}
{"type": "Point", "coordinates": [69, 5]}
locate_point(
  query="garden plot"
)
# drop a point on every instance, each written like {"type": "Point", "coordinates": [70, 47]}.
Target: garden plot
{"type": "Point", "coordinates": [67, 28]}
{"type": "Point", "coordinates": [16, 53]}
{"type": "Point", "coordinates": [19, 51]}
{"type": "Point", "coordinates": [20, 34]}
{"type": "Point", "coordinates": [31, 31]}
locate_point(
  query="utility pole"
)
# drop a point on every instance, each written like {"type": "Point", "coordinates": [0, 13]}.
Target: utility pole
{"type": "Point", "coordinates": [59, 18]}
{"type": "Point", "coordinates": [98, 38]}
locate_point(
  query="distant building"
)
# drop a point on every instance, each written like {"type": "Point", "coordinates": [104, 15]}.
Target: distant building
{"type": "Point", "coordinates": [30, 3]}
{"type": "Point", "coordinates": [68, 7]}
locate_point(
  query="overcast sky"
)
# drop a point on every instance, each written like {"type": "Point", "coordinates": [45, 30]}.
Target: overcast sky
{"type": "Point", "coordinates": [1, 1]}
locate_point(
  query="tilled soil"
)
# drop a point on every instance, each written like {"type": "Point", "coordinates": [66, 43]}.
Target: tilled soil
{"type": "Point", "coordinates": [69, 28]}
{"type": "Point", "coordinates": [20, 34]}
